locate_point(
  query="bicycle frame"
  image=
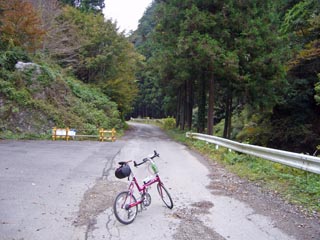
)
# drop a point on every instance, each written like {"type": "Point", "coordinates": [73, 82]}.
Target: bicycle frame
{"type": "Point", "coordinates": [141, 189]}
{"type": "Point", "coordinates": [125, 206]}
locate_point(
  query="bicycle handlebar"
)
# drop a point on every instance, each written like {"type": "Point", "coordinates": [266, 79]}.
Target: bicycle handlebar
{"type": "Point", "coordinates": [146, 159]}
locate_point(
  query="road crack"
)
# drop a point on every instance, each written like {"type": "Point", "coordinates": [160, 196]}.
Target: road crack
{"type": "Point", "coordinates": [95, 201]}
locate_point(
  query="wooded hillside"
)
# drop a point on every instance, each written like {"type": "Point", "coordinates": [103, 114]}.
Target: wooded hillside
{"type": "Point", "coordinates": [245, 70]}
{"type": "Point", "coordinates": [81, 73]}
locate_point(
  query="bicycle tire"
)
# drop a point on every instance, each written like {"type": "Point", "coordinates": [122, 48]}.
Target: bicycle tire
{"type": "Point", "coordinates": [165, 196]}
{"type": "Point", "coordinates": [123, 215]}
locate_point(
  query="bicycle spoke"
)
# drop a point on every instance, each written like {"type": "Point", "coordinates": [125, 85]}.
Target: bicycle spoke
{"type": "Point", "coordinates": [121, 209]}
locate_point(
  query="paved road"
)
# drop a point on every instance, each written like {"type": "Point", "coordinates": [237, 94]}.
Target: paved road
{"type": "Point", "coordinates": [42, 184]}
{"type": "Point", "coordinates": [65, 190]}
{"type": "Point", "coordinates": [197, 214]}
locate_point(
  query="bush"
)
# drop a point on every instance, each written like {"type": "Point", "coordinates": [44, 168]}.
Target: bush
{"type": "Point", "coordinates": [169, 123]}
{"type": "Point", "coordinates": [8, 59]}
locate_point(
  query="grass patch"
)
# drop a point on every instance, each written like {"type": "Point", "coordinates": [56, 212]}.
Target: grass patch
{"type": "Point", "coordinates": [295, 186]}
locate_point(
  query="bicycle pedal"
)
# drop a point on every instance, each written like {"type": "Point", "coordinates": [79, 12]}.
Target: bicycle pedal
{"type": "Point", "coordinates": [142, 208]}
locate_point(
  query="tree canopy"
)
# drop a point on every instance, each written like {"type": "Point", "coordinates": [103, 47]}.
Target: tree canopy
{"type": "Point", "coordinates": [239, 65]}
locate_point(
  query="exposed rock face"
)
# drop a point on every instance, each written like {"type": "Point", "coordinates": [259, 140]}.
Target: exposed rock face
{"type": "Point", "coordinates": [22, 66]}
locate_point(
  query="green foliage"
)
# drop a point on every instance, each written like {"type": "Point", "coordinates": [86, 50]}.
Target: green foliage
{"type": "Point", "coordinates": [219, 128]}
{"type": "Point", "coordinates": [169, 123]}
{"type": "Point", "coordinates": [233, 158]}
{"type": "Point", "coordinates": [294, 185]}
{"type": "Point", "coordinates": [92, 5]}
{"type": "Point", "coordinates": [94, 96]}
{"type": "Point", "coordinates": [9, 58]}
{"type": "Point", "coordinates": [294, 121]}
{"type": "Point", "coordinates": [93, 106]}
{"type": "Point", "coordinates": [7, 134]}
{"type": "Point", "coordinates": [86, 5]}
{"type": "Point", "coordinates": [317, 89]}
{"type": "Point", "coordinates": [247, 49]}
{"type": "Point", "coordinates": [34, 102]}
{"type": "Point", "coordinates": [251, 127]}
{"type": "Point", "coordinates": [69, 2]}
{"type": "Point", "coordinates": [9, 89]}
{"type": "Point", "coordinates": [105, 57]}
{"type": "Point", "coordinates": [302, 25]}
{"type": "Point", "coordinates": [297, 18]}
{"type": "Point", "coordinates": [188, 45]}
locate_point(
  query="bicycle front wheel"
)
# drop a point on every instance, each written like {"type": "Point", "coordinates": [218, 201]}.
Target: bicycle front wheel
{"type": "Point", "coordinates": [165, 196]}
{"type": "Point", "coordinates": [122, 210]}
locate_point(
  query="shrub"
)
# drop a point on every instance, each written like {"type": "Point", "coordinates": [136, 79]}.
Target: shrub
{"type": "Point", "coordinates": [169, 123]}
{"type": "Point", "coordinates": [8, 59]}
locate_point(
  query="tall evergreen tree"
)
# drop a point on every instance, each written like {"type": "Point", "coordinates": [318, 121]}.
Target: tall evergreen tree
{"type": "Point", "coordinates": [218, 58]}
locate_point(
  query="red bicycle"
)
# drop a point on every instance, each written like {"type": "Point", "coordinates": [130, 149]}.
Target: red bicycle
{"type": "Point", "coordinates": [125, 206]}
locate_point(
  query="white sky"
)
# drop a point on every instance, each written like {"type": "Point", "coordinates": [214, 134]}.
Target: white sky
{"type": "Point", "coordinates": [126, 12]}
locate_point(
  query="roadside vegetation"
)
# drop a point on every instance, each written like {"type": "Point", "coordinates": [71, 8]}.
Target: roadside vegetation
{"type": "Point", "coordinates": [35, 100]}
{"type": "Point", "coordinates": [295, 186]}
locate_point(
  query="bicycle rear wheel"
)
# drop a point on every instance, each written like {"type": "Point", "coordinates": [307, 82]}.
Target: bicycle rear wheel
{"type": "Point", "coordinates": [121, 209]}
{"type": "Point", "coordinates": [165, 196]}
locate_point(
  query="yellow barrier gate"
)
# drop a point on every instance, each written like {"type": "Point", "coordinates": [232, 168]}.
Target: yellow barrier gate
{"type": "Point", "coordinates": [112, 135]}
{"type": "Point", "coordinates": [67, 133]}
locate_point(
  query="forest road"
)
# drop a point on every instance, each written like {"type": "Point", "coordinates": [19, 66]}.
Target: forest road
{"type": "Point", "coordinates": [65, 190]}
{"type": "Point", "coordinates": [209, 202]}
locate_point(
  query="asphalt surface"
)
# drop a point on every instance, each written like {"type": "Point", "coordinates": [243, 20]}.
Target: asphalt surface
{"type": "Point", "coordinates": [43, 182]}
{"type": "Point", "coordinates": [65, 190]}
{"type": "Point", "coordinates": [197, 213]}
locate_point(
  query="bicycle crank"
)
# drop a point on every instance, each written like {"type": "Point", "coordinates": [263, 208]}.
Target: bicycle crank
{"type": "Point", "coordinates": [146, 199]}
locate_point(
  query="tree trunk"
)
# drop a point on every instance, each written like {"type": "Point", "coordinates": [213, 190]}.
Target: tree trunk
{"type": "Point", "coordinates": [182, 108]}
{"type": "Point", "coordinates": [189, 104]}
{"type": "Point", "coordinates": [228, 116]}
{"type": "Point", "coordinates": [202, 105]}
{"type": "Point", "coordinates": [211, 104]}
{"type": "Point", "coordinates": [178, 109]}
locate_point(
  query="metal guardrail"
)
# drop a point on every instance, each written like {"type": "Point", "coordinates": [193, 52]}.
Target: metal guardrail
{"type": "Point", "coordinates": [296, 160]}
